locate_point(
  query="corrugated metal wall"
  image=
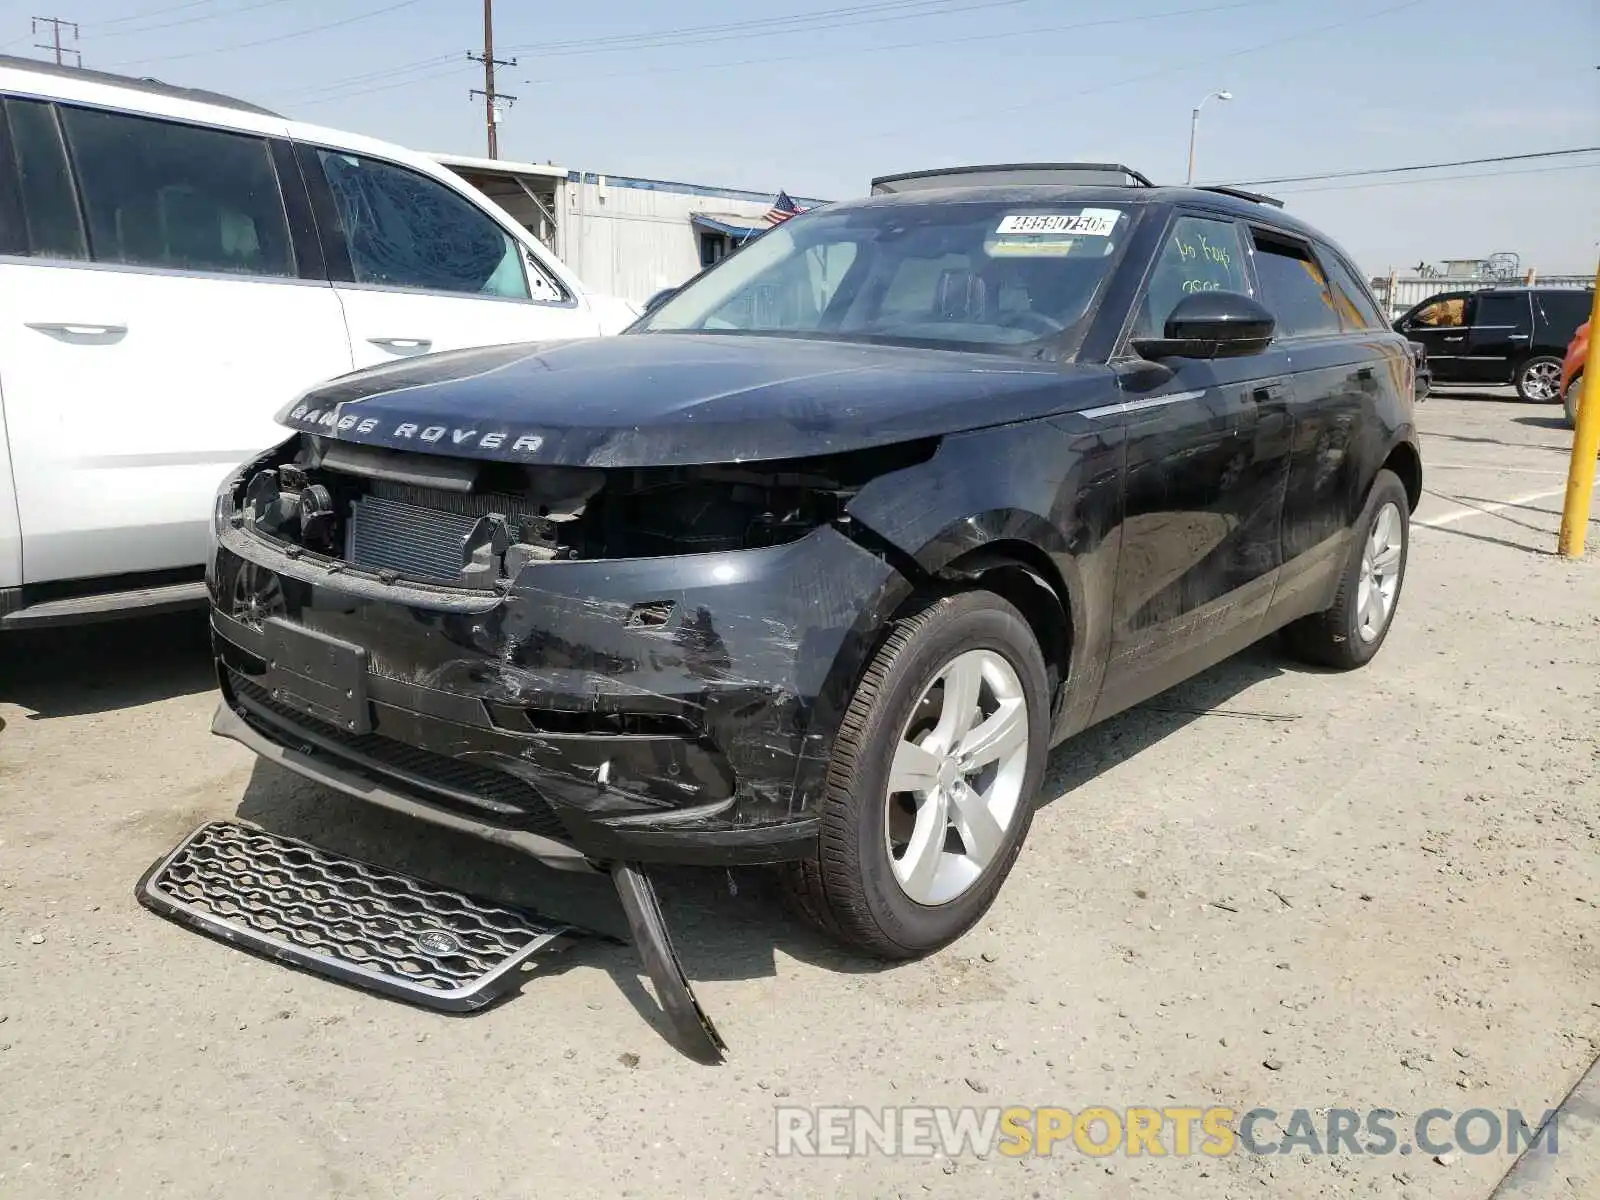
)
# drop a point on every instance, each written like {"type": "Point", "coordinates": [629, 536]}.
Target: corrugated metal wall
{"type": "Point", "coordinates": [633, 241]}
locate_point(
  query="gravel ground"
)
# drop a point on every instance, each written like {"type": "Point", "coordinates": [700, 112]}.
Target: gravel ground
{"type": "Point", "coordinates": [1268, 887]}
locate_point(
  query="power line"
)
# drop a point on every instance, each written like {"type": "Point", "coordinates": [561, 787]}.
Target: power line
{"type": "Point", "coordinates": [671, 37]}
{"type": "Point", "coordinates": [830, 18]}
{"type": "Point", "coordinates": [155, 12]}
{"type": "Point", "coordinates": [1351, 187]}
{"type": "Point", "coordinates": [383, 87]}
{"type": "Point", "coordinates": [384, 80]}
{"type": "Point", "coordinates": [211, 16]}
{"type": "Point", "coordinates": [282, 37]}
{"type": "Point", "coordinates": [921, 43]}
{"type": "Point", "coordinates": [667, 33]}
{"type": "Point", "coordinates": [398, 75]}
{"type": "Point", "coordinates": [1208, 63]}
{"type": "Point", "coordinates": [1463, 162]}
{"type": "Point", "coordinates": [744, 31]}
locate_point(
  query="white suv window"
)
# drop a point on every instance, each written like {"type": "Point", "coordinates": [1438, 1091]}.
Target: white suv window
{"type": "Point", "coordinates": [161, 194]}
{"type": "Point", "coordinates": [406, 230]}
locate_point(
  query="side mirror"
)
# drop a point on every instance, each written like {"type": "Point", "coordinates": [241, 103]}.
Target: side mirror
{"type": "Point", "coordinates": [659, 299]}
{"type": "Point", "coordinates": [1212, 325]}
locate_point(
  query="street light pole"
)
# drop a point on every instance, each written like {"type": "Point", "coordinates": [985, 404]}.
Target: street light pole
{"type": "Point", "coordinates": [1194, 127]}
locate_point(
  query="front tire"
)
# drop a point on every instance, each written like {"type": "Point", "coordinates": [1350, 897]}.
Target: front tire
{"type": "Point", "coordinates": [1570, 401]}
{"type": "Point", "coordinates": [932, 782]}
{"type": "Point", "coordinates": [1538, 380]}
{"type": "Point", "coordinates": [1350, 633]}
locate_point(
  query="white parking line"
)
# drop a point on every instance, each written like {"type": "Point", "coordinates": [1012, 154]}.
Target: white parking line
{"type": "Point", "coordinates": [1493, 470]}
{"type": "Point", "coordinates": [1484, 510]}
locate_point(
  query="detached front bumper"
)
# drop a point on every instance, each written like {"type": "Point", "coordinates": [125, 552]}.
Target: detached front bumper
{"type": "Point", "coordinates": [677, 709]}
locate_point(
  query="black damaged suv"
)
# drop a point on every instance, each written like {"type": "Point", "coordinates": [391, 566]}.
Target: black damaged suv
{"type": "Point", "coordinates": [815, 564]}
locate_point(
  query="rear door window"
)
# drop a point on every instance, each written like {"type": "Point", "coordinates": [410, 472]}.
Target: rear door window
{"type": "Point", "coordinates": [52, 228]}
{"type": "Point", "coordinates": [408, 231]}
{"type": "Point", "coordinates": [1499, 312]}
{"type": "Point", "coordinates": [1293, 286]}
{"type": "Point", "coordinates": [1199, 255]}
{"type": "Point", "coordinates": [165, 194]}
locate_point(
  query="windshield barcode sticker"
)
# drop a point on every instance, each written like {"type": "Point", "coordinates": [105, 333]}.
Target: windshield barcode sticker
{"type": "Point", "coordinates": [1091, 222]}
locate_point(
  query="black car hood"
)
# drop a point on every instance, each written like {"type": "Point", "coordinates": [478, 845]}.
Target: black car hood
{"type": "Point", "coordinates": [683, 399]}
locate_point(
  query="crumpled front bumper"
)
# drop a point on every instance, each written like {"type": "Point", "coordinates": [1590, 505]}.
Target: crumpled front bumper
{"type": "Point", "coordinates": [677, 709]}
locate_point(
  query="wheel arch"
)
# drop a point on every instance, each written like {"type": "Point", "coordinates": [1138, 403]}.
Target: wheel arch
{"type": "Point", "coordinates": [1028, 578]}
{"type": "Point", "coordinates": [1016, 555]}
{"type": "Point", "coordinates": [1405, 460]}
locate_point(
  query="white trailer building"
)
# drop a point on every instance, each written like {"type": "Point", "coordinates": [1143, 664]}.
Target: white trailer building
{"type": "Point", "coordinates": [623, 235]}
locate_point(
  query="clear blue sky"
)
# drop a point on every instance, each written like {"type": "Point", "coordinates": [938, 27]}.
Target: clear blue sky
{"type": "Point", "coordinates": [817, 106]}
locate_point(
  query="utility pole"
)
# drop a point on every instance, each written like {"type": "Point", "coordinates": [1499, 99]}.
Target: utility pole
{"type": "Point", "coordinates": [491, 98]}
{"type": "Point", "coordinates": [56, 26]}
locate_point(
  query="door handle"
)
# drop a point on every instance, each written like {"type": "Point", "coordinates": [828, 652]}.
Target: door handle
{"type": "Point", "coordinates": [1460, 337]}
{"type": "Point", "coordinates": [78, 328]}
{"type": "Point", "coordinates": [403, 345]}
{"type": "Point", "coordinates": [1276, 390]}
{"type": "Point", "coordinates": [1518, 337]}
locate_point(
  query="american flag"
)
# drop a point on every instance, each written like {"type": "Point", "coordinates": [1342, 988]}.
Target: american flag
{"type": "Point", "coordinates": [782, 209]}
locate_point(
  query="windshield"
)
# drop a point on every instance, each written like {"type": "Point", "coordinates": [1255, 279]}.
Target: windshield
{"type": "Point", "coordinates": [971, 276]}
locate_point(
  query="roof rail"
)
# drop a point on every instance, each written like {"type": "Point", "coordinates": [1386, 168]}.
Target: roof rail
{"type": "Point", "coordinates": [1060, 174]}
{"type": "Point", "coordinates": [151, 87]}
{"type": "Point", "coordinates": [1241, 194]}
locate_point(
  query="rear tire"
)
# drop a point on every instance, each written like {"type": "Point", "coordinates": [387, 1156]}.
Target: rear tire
{"type": "Point", "coordinates": [1538, 380]}
{"type": "Point", "coordinates": [900, 873]}
{"type": "Point", "coordinates": [1350, 633]}
{"type": "Point", "coordinates": [1570, 401]}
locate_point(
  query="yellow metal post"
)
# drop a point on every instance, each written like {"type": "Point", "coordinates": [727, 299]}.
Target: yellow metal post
{"type": "Point", "coordinates": [1585, 449]}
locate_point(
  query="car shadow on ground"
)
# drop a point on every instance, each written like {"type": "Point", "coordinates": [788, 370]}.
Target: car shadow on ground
{"type": "Point", "coordinates": [82, 669]}
{"type": "Point", "coordinates": [725, 925]}
{"type": "Point", "coordinates": [1476, 394]}
{"type": "Point", "coordinates": [1543, 422]}
{"type": "Point", "coordinates": [1101, 747]}
{"type": "Point", "coordinates": [1434, 435]}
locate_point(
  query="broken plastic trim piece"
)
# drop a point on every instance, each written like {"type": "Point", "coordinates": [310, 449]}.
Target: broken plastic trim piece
{"type": "Point", "coordinates": [392, 933]}
{"type": "Point", "coordinates": [691, 1029]}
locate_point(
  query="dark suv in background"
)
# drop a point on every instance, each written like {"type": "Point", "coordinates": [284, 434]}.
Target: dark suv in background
{"type": "Point", "coordinates": [1514, 335]}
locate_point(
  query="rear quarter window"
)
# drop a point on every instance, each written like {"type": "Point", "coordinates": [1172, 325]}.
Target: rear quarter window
{"type": "Point", "coordinates": [1560, 313]}
{"type": "Point", "coordinates": [1356, 308]}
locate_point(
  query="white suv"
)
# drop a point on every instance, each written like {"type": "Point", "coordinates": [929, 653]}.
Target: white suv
{"type": "Point", "coordinates": [176, 266]}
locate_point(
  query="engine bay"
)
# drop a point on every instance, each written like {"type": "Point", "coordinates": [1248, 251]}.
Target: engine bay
{"type": "Point", "coordinates": [477, 524]}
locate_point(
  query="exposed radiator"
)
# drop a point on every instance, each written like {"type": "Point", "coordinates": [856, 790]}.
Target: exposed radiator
{"type": "Point", "coordinates": [464, 503]}
{"type": "Point", "coordinates": [419, 543]}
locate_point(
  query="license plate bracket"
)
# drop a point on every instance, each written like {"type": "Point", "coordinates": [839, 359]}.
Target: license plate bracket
{"type": "Point", "coordinates": [318, 675]}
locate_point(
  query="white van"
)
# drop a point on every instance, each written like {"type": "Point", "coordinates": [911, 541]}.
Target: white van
{"type": "Point", "coordinates": [175, 266]}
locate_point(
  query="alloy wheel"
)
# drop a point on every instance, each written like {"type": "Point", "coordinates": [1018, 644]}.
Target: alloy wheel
{"type": "Point", "coordinates": [1542, 381]}
{"type": "Point", "coordinates": [955, 784]}
{"type": "Point", "coordinates": [1380, 573]}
